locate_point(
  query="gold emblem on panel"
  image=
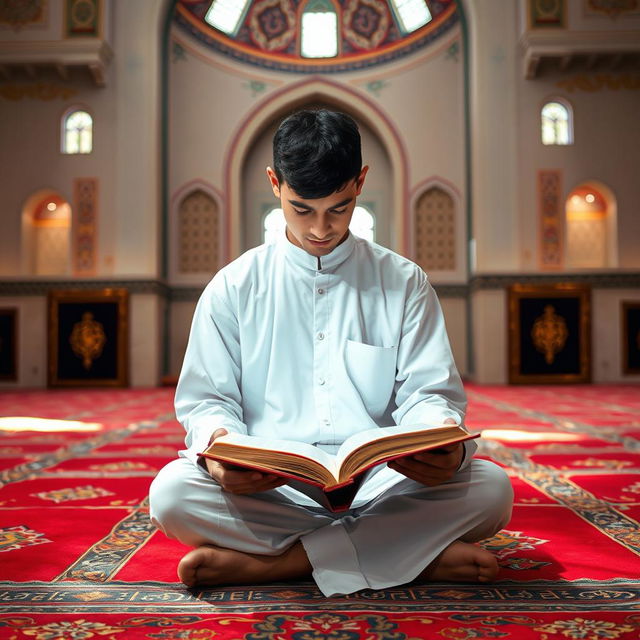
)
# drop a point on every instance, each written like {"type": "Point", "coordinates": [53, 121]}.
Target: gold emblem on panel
{"type": "Point", "coordinates": [549, 333]}
{"type": "Point", "coordinates": [88, 339]}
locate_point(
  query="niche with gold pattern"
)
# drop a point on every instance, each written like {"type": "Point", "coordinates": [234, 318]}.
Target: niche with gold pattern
{"type": "Point", "coordinates": [549, 333]}
{"type": "Point", "coordinates": [88, 338]}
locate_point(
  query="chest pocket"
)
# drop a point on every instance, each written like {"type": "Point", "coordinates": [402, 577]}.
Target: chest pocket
{"type": "Point", "coordinates": [373, 372]}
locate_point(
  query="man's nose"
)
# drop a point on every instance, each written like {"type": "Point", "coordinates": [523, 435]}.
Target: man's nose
{"type": "Point", "coordinates": [321, 226]}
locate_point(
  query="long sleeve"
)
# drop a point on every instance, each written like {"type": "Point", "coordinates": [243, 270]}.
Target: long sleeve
{"type": "Point", "coordinates": [428, 388]}
{"type": "Point", "coordinates": [208, 395]}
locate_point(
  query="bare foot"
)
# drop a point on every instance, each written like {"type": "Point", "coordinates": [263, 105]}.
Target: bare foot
{"type": "Point", "coordinates": [462, 562]}
{"type": "Point", "coordinates": [210, 565]}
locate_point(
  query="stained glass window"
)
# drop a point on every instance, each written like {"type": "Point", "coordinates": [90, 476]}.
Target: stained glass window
{"type": "Point", "coordinates": [319, 27]}
{"type": "Point", "coordinates": [556, 124]}
{"type": "Point", "coordinates": [226, 15]}
{"type": "Point", "coordinates": [411, 14]}
{"type": "Point", "coordinates": [77, 132]}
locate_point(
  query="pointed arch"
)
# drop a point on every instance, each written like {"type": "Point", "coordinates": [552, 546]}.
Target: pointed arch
{"type": "Point", "coordinates": [281, 103]}
{"type": "Point", "coordinates": [591, 228]}
{"type": "Point", "coordinates": [453, 226]}
{"type": "Point", "coordinates": [46, 234]}
{"type": "Point", "coordinates": [208, 222]}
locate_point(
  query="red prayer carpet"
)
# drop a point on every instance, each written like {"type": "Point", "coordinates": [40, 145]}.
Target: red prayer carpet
{"type": "Point", "coordinates": [79, 558]}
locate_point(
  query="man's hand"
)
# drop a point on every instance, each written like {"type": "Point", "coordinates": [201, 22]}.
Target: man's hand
{"type": "Point", "coordinates": [432, 467]}
{"type": "Point", "coordinates": [240, 481]}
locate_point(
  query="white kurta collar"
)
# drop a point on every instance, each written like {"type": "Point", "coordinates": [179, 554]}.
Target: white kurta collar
{"type": "Point", "coordinates": [301, 258]}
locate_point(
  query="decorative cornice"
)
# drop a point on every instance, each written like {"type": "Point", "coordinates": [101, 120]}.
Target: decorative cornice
{"type": "Point", "coordinates": [602, 280]}
{"type": "Point", "coordinates": [451, 290]}
{"type": "Point", "coordinates": [42, 287]}
{"type": "Point", "coordinates": [562, 48]}
{"type": "Point", "coordinates": [95, 54]}
{"type": "Point", "coordinates": [185, 294]}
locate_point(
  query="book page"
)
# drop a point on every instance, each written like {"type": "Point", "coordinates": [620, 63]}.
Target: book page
{"type": "Point", "coordinates": [372, 435]}
{"type": "Point", "coordinates": [301, 449]}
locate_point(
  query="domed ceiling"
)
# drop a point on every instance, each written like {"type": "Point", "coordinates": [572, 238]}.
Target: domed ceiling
{"type": "Point", "coordinates": [269, 33]}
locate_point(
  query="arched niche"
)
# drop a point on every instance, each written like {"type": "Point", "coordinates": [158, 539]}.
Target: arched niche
{"type": "Point", "coordinates": [314, 91]}
{"type": "Point", "coordinates": [202, 204]}
{"type": "Point", "coordinates": [451, 229]}
{"type": "Point", "coordinates": [46, 234]}
{"type": "Point", "coordinates": [591, 227]}
{"type": "Point", "coordinates": [258, 198]}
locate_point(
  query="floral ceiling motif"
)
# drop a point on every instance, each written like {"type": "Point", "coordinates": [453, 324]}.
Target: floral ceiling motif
{"type": "Point", "coordinates": [269, 34]}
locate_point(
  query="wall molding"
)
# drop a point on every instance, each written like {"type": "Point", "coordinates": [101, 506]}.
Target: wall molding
{"type": "Point", "coordinates": [190, 293]}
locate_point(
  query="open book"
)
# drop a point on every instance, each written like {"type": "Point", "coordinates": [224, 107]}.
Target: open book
{"type": "Point", "coordinates": [337, 475]}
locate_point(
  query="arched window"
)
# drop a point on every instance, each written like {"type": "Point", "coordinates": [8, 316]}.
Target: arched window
{"type": "Point", "coordinates": [319, 30]}
{"type": "Point", "coordinates": [226, 15]}
{"type": "Point", "coordinates": [411, 14]}
{"type": "Point", "coordinates": [362, 224]}
{"type": "Point", "coordinates": [77, 132]}
{"type": "Point", "coordinates": [557, 123]}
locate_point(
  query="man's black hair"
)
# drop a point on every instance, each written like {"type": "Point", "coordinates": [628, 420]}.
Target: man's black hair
{"type": "Point", "coordinates": [317, 152]}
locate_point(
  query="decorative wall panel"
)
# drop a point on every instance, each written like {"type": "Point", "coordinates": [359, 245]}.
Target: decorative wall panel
{"type": "Point", "coordinates": [88, 338]}
{"type": "Point", "coordinates": [8, 345]}
{"type": "Point", "coordinates": [199, 233]}
{"type": "Point", "coordinates": [550, 218]}
{"type": "Point", "coordinates": [549, 334]}
{"type": "Point", "coordinates": [85, 226]}
{"type": "Point", "coordinates": [25, 14]}
{"type": "Point", "coordinates": [545, 14]}
{"type": "Point", "coordinates": [587, 242]}
{"type": "Point", "coordinates": [83, 18]}
{"type": "Point", "coordinates": [631, 337]}
{"type": "Point", "coordinates": [435, 231]}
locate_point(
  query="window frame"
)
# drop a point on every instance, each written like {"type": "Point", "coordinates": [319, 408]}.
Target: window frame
{"type": "Point", "coordinates": [569, 108]}
{"type": "Point", "coordinates": [66, 114]}
{"type": "Point", "coordinates": [241, 19]}
{"type": "Point", "coordinates": [395, 12]}
{"type": "Point", "coordinates": [302, 9]}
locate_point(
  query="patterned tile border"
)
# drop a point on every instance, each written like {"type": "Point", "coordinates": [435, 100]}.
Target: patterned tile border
{"type": "Point", "coordinates": [156, 597]}
{"type": "Point", "coordinates": [107, 556]}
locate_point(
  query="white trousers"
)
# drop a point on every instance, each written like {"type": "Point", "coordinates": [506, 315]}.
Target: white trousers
{"type": "Point", "coordinates": [386, 542]}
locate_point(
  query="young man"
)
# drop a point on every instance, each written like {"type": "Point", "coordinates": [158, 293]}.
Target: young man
{"type": "Point", "coordinates": [314, 338]}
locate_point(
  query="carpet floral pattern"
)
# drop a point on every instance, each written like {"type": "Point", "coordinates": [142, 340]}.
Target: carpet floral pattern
{"type": "Point", "coordinates": [79, 558]}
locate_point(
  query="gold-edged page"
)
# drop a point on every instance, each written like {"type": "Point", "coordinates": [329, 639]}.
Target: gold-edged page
{"type": "Point", "coordinates": [391, 441]}
{"type": "Point", "coordinates": [299, 458]}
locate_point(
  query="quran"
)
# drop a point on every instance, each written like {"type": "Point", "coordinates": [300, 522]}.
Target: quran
{"type": "Point", "coordinates": [339, 475]}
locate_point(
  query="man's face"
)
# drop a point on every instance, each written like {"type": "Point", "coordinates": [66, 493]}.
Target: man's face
{"type": "Point", "coordinates": [317, 225]}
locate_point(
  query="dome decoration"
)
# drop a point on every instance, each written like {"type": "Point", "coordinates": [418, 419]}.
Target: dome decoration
{"type": "Point", "coordinates": [269, 33]}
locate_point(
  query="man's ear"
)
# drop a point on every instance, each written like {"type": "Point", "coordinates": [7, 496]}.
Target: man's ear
{"type": "Point", "coordinates": [360, 179]}
{"type": "Point", "coordinates": [274, 182]}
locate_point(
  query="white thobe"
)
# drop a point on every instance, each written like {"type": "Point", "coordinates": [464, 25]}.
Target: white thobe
{"type": "Point", "coordinates": [287, 345]}
{"type": "Point", "coordinates": [291, 346]}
